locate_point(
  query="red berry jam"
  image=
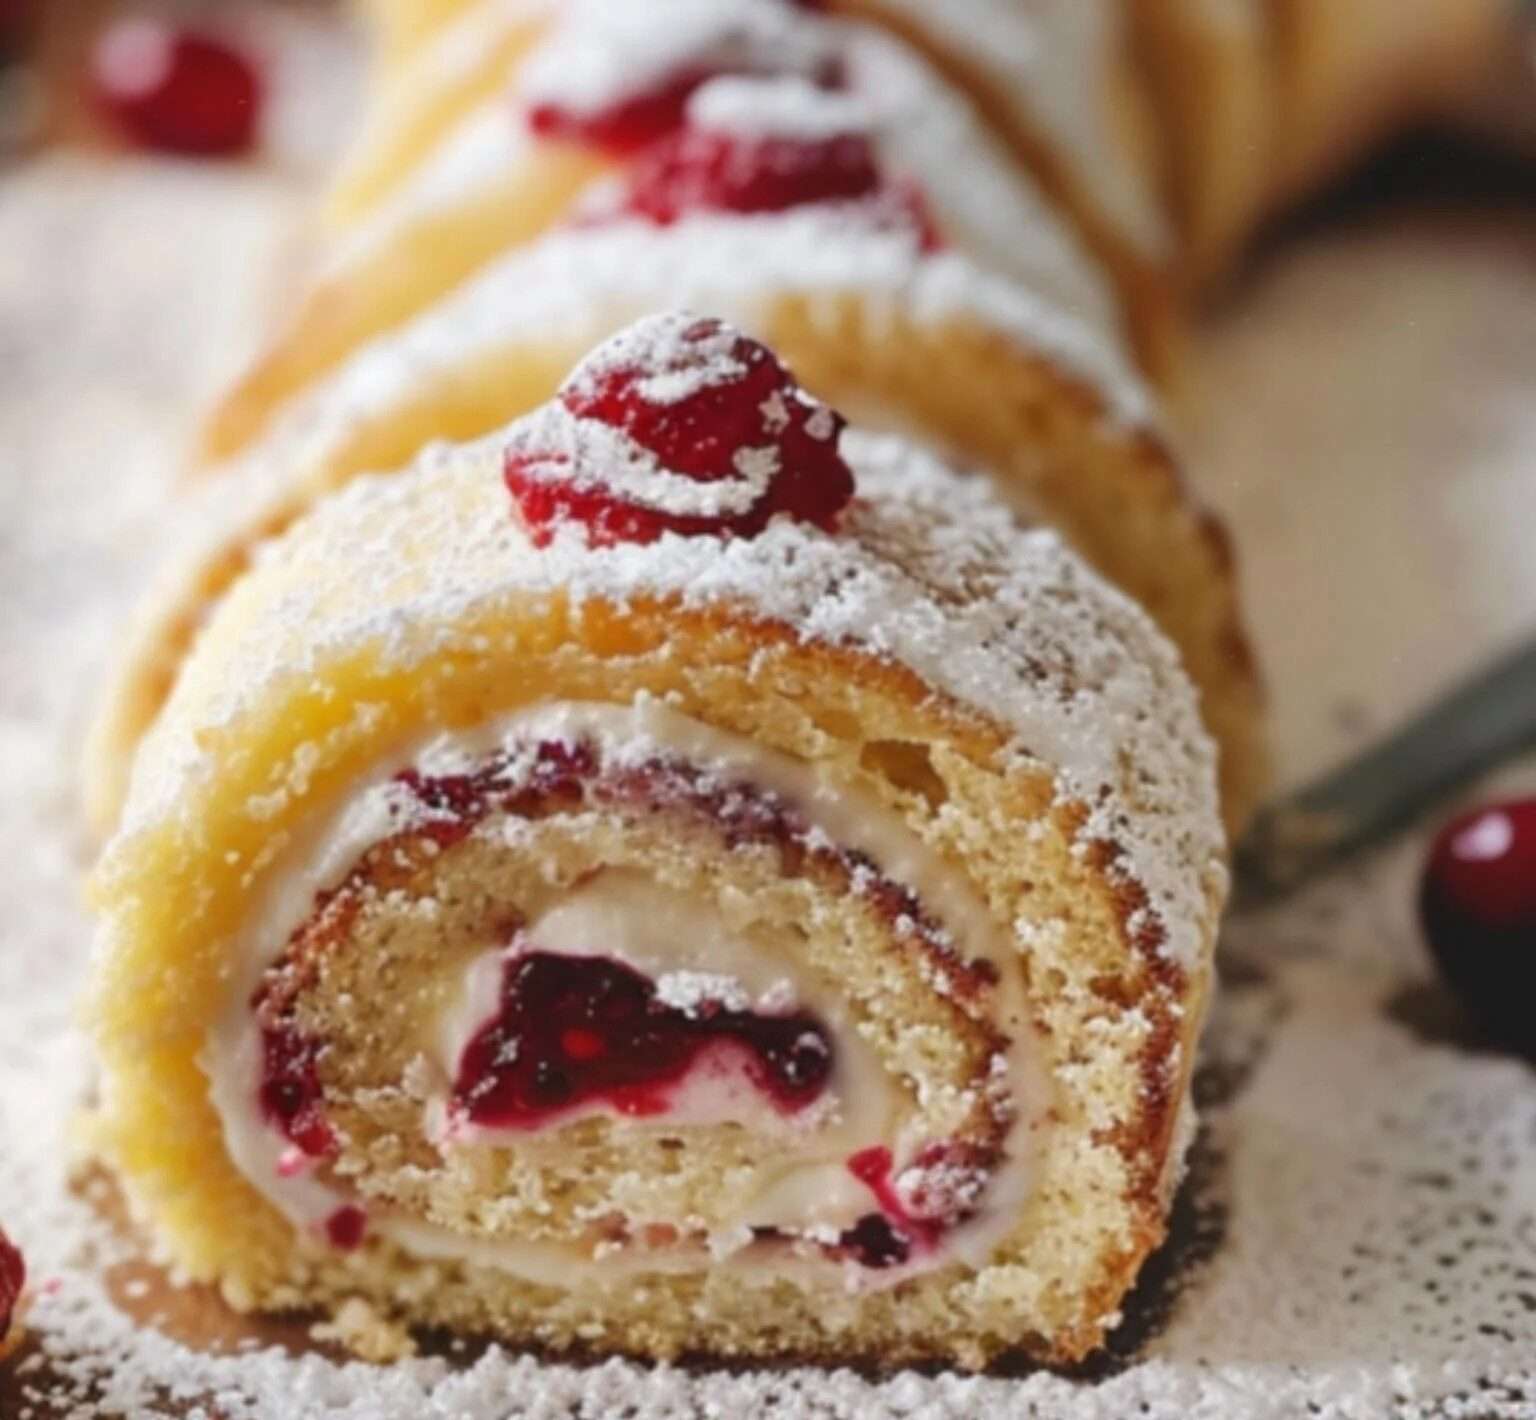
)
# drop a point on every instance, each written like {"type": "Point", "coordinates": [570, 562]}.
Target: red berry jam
{"type": "Point", "coordinates": [177, 91]}
{"type": "Point", "coordinates": [574, 1030]}
{"type": "Point", "coordinates": [346, 1227]}
{"type": "Point", "coordinates": [690, 398]}
{"type": "Point", "coordinates": [455, 803]}
{"type": "Point", "coordinates": [1477, 901]}
{"type": "Point", "coordinates": [722, 172]}
{"type": "Point", "coordinates": [292, 1100]}
{"type": "Point", "coordinates": [13, 1277]}
{"type": "Point", "coordinates": [889, 1237]}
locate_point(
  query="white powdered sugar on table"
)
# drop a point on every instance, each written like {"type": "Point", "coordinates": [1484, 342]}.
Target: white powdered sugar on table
{"type": "Point", "coordinates": [1358, 1237]}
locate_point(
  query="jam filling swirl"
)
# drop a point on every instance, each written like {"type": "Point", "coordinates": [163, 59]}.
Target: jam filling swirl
{"type": "Point", "coordinates": [574, 1030]}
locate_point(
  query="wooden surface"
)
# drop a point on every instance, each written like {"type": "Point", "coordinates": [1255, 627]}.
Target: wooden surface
{"type": "Point", "coordinates": [1368, 425]}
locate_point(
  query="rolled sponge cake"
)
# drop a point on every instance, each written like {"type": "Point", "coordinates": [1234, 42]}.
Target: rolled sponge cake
{"type": "Point", "coordinates": [607, 906]}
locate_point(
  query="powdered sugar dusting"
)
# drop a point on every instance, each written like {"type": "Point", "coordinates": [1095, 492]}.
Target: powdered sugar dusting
{"type": "Point", "coordinates": [558, 446]}
{"type": "Point", "coordinates": [780, 108]}
{"type": "Point", "coordinates": [925, 129]}
{"type": "Point", "coordinates": [586, 283]}
{"type": "Point", "coordinates": [605, 51]}
{"type": "Point", "coordinates": [694, 992]}
{"type": "Point", "coordinates": [1058, 63]}
{"type": "Point", "coordinates": [929, 571]}
{"type": "Point", "coordinates": [675, 367]}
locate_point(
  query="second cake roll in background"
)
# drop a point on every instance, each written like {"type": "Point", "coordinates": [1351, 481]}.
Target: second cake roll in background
{"type": "Point", "coordinates": [598, 92]}
{"type": "Point", "coordinates": [868, 314]}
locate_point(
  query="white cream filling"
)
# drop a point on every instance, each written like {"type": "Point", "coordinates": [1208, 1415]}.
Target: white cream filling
{"type": "Point", "coordinates": [813, 1193]}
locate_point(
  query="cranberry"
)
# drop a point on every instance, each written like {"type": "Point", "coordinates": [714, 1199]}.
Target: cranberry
{"type": "Point", "coordinates": [178, 91]}
{"type": "Point", "coordinates": [703, 401]}
{"type": "Point", "coordinates": [1478, 905]}
{"type": "Point", "coordinates": [723, 172]}
{"type": "Point", "coordinates": [290, 1093]}
{"type": "Point", "coordinates": [576, 1029]}
{"type": "Point", "coordinates": [13, 1277]}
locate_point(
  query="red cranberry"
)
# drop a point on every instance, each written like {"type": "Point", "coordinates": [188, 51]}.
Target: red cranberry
{"type": "Point", "coordinates": [707, 403]}
{"type": "Point", "coordinates": [13, 1277]}
{"type": "Point", "coordinates": [720, 172]}
{"type": "Point", "coordinates": [1478, 905]}
{"type": "Point", "coordinates": [178, 91]}
{"type": "Point", "coordinates": [576, 1029]}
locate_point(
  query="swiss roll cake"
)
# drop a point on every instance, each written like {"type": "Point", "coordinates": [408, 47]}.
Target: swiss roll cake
{"type": "Point", "coordinates": [675, 874]}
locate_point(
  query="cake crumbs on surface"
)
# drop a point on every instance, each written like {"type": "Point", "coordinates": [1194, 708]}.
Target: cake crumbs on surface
{"type": "Point", "coordinates": [358, 1327]}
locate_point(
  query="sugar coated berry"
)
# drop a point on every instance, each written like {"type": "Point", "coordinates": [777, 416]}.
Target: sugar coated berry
{"type": "Point", "coordinates": [682, 425]}
{"type": "Point", "coordinates": [723, 172]}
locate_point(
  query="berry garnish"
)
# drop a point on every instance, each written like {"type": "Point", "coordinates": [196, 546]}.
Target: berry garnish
{"type": "Point", "coordinates": [13, 1277]}
{"type": "Point", "coordinates": [176, 90]}
{"type": "Point", "coordinates": [757, 146]}
{"type": "Point", "coordinates": [1477, 901]}
{"type": "Point", "coordinates": [681, 425]}
{"type": "Point", "coordinates": [717, 172]}
{"type": "Point", "coordinates": [751, 146]}
{"type": "Point", "coordinates": [572, 1029]}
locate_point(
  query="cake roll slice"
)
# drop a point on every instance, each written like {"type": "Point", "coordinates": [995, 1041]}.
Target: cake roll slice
{"type": "Point", "coordinates": [1056, 78]}
{"type": "Point", "coordinates": [675, 875]}
{"type": "Point", "coordinates": [870, 309]}
{"type": "Point", "coordinates": [540, 149]}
